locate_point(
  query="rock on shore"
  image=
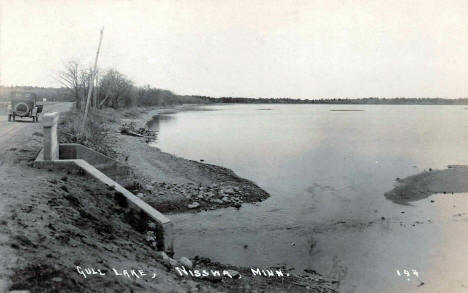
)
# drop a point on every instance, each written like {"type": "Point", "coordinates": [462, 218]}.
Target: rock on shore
{"type": "Point", "coordinates": [190, 196]}
{"type": "Point", "coordinates": [173, 184]}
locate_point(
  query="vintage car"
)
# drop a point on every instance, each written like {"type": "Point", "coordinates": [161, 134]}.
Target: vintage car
{"type": "Point", "coordinates": [23, 104]}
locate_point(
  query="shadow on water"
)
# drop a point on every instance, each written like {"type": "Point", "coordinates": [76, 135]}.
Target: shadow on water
{"type": "Point", "coordinates": [422, 185]}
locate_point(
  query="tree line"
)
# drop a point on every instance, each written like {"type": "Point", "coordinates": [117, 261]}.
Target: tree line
{"type": "Point", "coordinates": [358, 101]}
{"type": "Point", "coordinates": [113, 89]}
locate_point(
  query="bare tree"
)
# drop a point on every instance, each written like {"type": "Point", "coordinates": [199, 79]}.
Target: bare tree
{"type": "Point", "coordinates": [76, 80]}
{"type": "Point", "coordinates": [70, 78]}
{"type": "Point", "coordinates": [115, 89]}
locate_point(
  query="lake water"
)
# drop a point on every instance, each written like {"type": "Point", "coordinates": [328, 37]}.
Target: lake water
{"type": "Point", "coordinates": [327, 172]}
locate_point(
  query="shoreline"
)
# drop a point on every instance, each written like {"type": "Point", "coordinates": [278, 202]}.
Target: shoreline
{"type": "Point", "coordinates": [174, 184]}
{"type": "Point", "coordinates": [422, 185]}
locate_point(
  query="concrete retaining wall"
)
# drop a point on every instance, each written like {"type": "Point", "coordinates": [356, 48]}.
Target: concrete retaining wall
{"type": "Point", "coordinates": [108, 166]}
{"type": "Point", "coordinates": [79, 157]}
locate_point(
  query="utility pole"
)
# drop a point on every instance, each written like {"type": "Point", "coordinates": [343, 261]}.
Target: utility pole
{"type": "Point", "coordinates": [91, 83]}
{"type": "Point", "coordinates": [95, 93]}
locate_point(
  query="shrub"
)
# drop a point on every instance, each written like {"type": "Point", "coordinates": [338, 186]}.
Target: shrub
{"type": "Point", "coordinates": [95, 135]}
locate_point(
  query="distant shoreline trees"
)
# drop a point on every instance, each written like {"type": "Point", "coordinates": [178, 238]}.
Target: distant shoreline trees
{"type": "Point", "coordinates": [116, 91]}
{"type": "Point", "coordinates": [358, 101]}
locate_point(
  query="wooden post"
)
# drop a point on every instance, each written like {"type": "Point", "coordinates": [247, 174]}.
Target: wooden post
{"type": "Point", "coordinates": [91, 83]}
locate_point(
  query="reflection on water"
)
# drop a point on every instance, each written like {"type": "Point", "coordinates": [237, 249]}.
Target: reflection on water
{"type": "Point", "coordinates": [155, 123]}
{"type": "Point", "coordinates": [327, 172]}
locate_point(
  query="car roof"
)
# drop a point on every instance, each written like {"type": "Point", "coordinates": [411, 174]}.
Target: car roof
{"type": "Point", "coordinates": [20, 94]}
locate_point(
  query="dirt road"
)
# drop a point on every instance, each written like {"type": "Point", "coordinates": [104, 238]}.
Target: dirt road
{"type": "Point", "coordinates": [19, 141]}
{"type": "Point", "coordinates": [23, 127]}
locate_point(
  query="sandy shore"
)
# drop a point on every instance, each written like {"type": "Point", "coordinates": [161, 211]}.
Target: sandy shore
{"type": "Point", "coordinates": [420, 186]}
{"type": "Point", "coordinates": [174, 184]}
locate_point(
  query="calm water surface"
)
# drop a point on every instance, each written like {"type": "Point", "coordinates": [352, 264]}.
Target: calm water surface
{"type": "Point", "coordinates": [327, 172]}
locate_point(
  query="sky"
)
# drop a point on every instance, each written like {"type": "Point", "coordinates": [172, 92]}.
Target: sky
{"type": "Point", "coordinates": [296, 49]}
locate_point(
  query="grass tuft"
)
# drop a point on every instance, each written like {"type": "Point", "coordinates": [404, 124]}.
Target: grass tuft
{"type": "Point", "coordinates": [96, 134]}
